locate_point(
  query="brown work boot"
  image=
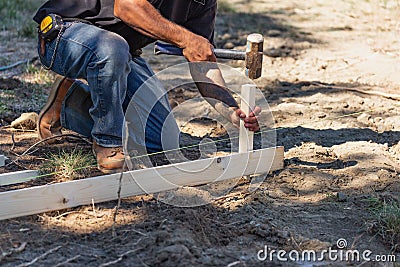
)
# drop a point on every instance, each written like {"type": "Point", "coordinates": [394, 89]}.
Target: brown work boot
{"type": "Point", "coordinates": [109, 159]}
{"type": "Point", "coordinates": [49, 123]}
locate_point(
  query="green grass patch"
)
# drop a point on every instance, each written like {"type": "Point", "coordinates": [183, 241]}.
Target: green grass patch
{"type": "Point", "coordinates": [68, 165]}
{"type": "Point", "coordinates": [16, 15]}
{"type": "Point", "coordinates": [386, 220]}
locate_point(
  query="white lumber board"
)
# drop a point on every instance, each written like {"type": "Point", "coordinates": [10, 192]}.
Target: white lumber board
{"type": "Point", "coordinates": [17, 177]}
{"type": "Point", "coordinates": [247, 104]}
{"type": "Point", "coordinates": [64, 195]}
{"type": "Point", "coordinates": [2, 160]}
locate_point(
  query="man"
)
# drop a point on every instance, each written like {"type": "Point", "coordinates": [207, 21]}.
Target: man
{"type": "Point", "coordinates": [100, 41]}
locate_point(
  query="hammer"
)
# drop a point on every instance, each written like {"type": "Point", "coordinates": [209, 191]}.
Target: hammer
{"type": "Point", "coordinates": [252, 56]}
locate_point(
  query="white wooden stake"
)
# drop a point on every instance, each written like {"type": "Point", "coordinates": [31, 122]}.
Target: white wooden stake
{"type": "Point", "coordinates": [246, 137]}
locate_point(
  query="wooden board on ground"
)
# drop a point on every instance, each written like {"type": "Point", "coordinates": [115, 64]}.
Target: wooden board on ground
{"type": "Point", "coordinates": [2, 160]}
{"type": "Point", "coordinates": [17, 177]}
{"type": "Point", "coordinates": [64, 195]}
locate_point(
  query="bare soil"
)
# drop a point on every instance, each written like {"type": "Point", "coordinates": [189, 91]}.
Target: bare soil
{"type": "Point", "coordinates": [342, 149]}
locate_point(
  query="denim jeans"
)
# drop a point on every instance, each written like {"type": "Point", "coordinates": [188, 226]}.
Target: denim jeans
{"type": "Point", "coordinates": [97, 109]}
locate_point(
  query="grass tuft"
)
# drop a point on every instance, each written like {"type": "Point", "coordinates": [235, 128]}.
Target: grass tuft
{"type": "Point", "coordinates": [386, 220]}
{"type": "Point", "coordinates": [67, 166]}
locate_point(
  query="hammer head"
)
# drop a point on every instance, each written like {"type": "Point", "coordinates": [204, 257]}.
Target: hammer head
{"type": "Point", "coordinates": [254, 55]}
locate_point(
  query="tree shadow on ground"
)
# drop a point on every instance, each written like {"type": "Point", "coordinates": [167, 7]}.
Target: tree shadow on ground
{"type": "Point", "coordinates": [292, 137]}
{"type": "Point", "coordinates": [276, 90]}
{"type": "Point", "coordinates": [232, 29]}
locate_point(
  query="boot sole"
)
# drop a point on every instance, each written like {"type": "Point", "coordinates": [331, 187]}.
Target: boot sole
{"type": "Point", "coordinates": [50, 101]}
{"type": "Point", "coordinates": [108, 171]}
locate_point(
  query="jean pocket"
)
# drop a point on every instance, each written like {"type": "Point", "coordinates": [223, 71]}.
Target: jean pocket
{"type": "Point", "coordinates": [46, 56]}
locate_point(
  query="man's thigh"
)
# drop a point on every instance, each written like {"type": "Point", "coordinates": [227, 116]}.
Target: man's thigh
{"type": "Point", "coordinates": [81, 45]}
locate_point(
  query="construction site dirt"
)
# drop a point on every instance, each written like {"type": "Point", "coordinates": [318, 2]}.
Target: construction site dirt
{"type": "Point", "coordinates": [331, 79]}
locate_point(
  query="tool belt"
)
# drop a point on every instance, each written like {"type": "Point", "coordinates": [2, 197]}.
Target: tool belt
{"type": "Point", "coordinates": [52, 25]}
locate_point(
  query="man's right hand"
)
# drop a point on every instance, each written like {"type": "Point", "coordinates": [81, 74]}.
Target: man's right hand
{"type": "Point", "coordinates": [198, 49]}
{"type": "Point", "coordinates": [143, 17]}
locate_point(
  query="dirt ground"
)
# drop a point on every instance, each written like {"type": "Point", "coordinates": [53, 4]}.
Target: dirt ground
{"type": "Point", "coordinates": [342, 150]}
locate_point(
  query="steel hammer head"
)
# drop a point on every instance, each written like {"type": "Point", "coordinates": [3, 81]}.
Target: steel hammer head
{"type": "Point", "coordinates": [254, 55]}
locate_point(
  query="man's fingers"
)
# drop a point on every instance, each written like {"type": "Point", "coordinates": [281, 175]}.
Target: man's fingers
{"type": "Point", "coordinates": [251, 120]}
{"type": "Point", "coordinates": [255, 112]}
{"type": "Point", "coordinates": [253, 129]}
{"type": "Point", "coordinates": [240, 113]}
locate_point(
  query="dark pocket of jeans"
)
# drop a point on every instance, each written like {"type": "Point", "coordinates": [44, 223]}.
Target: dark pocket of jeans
{"type": "Point", "coordinates": [46, 58]}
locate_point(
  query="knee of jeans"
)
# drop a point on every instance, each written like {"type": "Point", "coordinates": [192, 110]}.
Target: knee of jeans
{"type": "Point", "coordinates": [114, 51]}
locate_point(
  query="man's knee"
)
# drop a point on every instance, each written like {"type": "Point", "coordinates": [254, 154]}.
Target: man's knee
{"type": "Point", "coordinates": [113, 50]}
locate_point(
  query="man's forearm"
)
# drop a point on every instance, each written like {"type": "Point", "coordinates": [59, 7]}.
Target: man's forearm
{"type": "Point", "coordinates": [212, 87]}
{"type": "Point", "coordinates": [143, 17]}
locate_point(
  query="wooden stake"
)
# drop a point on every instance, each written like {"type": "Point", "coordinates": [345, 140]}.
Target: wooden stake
{"type": "Point", "coordinates": [246, 137]}
{"type": "Point", "coordinates": [70, 194]}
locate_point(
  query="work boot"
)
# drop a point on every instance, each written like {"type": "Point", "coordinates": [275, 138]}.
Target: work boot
{"type": "Point", "coordinates": [109, 159]}
{"type": "Point", "coordinates": [49, 123]}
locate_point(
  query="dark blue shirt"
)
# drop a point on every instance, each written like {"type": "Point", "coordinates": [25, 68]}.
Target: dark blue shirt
{"type": "Point", "coordinates": [197, 16]}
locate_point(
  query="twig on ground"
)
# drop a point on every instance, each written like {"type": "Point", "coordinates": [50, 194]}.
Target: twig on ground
{"type": "Point", "coordinates": [114, 234]}
{"type": "Point", "coordinates": [67, 261]}
{"type": "Point", "coordinates": [94, 209]}
{"type": "Point", "coordinates": [121, 257]}
{"type": "Point", "coordinates": [21, 166]}
{"type": "Point", "coordinates": [361, 91]}
{"type": "Point", "coordinates": [13, 141]}
{"type": "Point", "coordinates": [295, 242]}
{"type": "Point", "coordinates": [64, 214]}
{"type": "Point", "coordinates": [18, 249]}
{"type": "Point", "coordinates": [136, 231]}
{"type": "Point", "coordinates": [45, 140]}
{"type": "Point", "coordinates": [40, 257]}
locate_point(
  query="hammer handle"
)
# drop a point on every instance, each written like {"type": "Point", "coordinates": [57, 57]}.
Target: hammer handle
{"type": "Point", "coordinates": [168, 49]}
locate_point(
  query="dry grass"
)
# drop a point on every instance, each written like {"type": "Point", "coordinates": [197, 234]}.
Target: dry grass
{"type": "Point", "coordinates": [386, 220]}
{"type": "Point", "coordinates": [67, 166]}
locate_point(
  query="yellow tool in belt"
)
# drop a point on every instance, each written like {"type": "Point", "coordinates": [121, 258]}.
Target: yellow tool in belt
{"type": "Point", "coordinates": [50, 26]}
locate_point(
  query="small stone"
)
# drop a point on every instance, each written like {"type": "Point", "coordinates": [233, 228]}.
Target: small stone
{"type": "Point", "coordinates": [226, 36]}
{"type": "Point", "coordinates": [274, 33]}
{"type": "Point", "coordinates": [273, 52]}
{"type": "Point", "coordinates": [342, 197]}
{"type": "Point", "coordinates": [229, 45]}
{"type": "Point", "coordinates": [27, 121]}
{"type": "Point", "coordinates": [364, 118]}
{"type": "Point", "coordinates": [378, 119]}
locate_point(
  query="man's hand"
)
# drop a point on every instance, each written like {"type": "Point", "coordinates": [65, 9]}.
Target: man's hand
{"type": "Point", "coordinates": [250, 122]}
{"type": "Point", "coordinates": [198, 49]}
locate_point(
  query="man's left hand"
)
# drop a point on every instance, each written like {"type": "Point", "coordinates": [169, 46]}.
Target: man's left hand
{"type": "Point", "coordinates": [250, 122]}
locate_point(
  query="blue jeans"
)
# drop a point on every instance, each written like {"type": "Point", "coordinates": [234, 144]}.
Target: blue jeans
{"type": "Point", "coordinates": [96, 110]}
